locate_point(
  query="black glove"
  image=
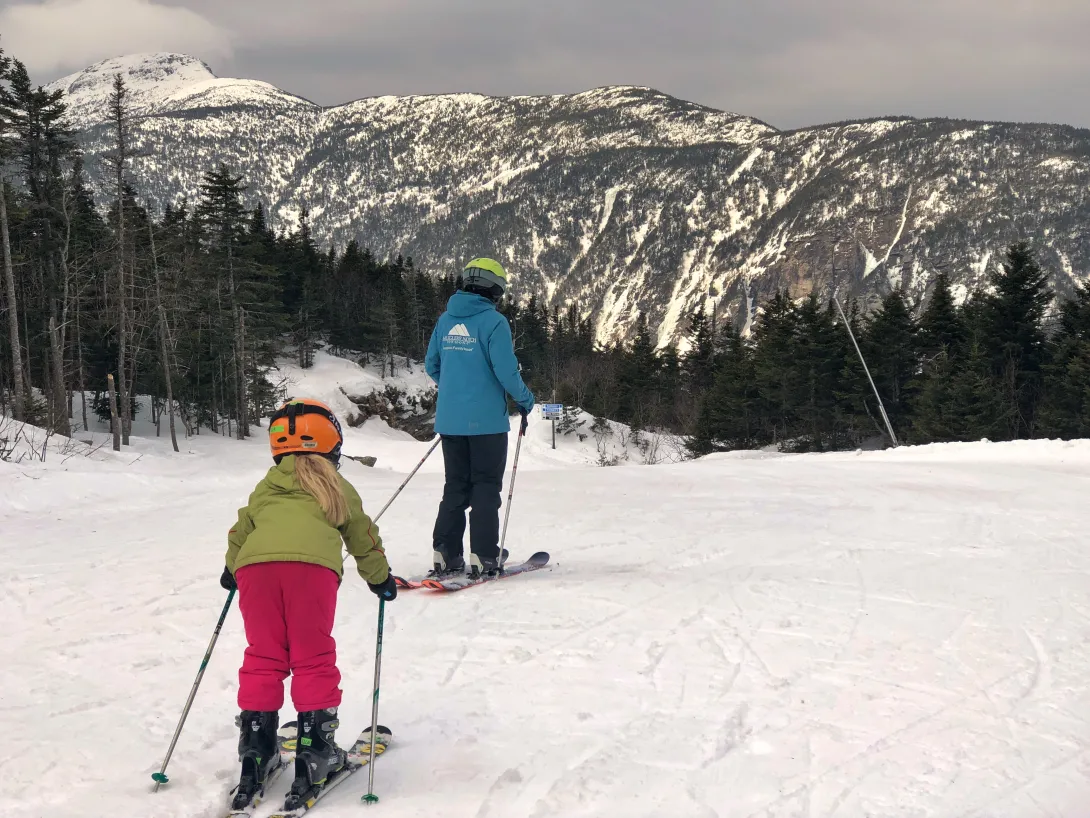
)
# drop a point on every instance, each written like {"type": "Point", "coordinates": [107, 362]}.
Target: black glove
{"type": "Point", "coordinates": [525, 420]}
{"type": "Point", "coordinates": [385, 590]}
{"type": "Point", "coordinates": [227, 580]}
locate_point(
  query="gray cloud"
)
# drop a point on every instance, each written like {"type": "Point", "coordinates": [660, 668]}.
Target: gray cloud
{"type": "Point", "coordinates": [53, 36]}
{"type": "Point", "coordinates": [789, 62]}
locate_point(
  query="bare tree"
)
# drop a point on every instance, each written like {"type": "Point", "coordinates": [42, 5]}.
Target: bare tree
{"type": "Point", "coordinates": [18, 401]}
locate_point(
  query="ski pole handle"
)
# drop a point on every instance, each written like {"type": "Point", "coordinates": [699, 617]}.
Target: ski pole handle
{"type": "Point", "coordinates": [161, 777]}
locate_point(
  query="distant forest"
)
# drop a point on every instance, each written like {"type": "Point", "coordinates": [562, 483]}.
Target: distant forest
{"type": "Point", "coordinates": [192, 309]}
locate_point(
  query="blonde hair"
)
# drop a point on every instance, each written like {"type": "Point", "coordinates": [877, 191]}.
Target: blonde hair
{"type": "Point", "coordinates": [318, 477]}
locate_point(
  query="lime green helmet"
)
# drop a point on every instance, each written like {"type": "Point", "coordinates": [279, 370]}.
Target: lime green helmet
{"type": "Point", "coordinates": [486, 277]}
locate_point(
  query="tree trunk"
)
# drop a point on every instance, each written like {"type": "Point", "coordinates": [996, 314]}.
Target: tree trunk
{"type": "Point", "coordinates": [28, 386]}
{"type": "Point", "coordinates": [61, 423]}
{"type": "Point", "coordinates": [57, 339]}
{"type": "Point", "coordinates": [164, 343]}
{"type": "Point", "coordinates": [239, 345]}
{"type": "Point", "coordinates": [118, 114]}
{"type": "Point", "coordinates": [115, 424]}
{"type": "Point", "coordinates": [18, 401]}
{"type": "Point", "coordinates": [82, 383]}
{"type": "Point", "coordinates": [66, 304]}
{"type": "Point", "coordinates": [243, 410]}
{"type": "Point", "coordinates": [122, 328]}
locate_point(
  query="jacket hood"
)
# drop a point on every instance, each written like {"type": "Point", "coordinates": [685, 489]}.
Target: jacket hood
{"type": "Point", "coordinates": [282, 475]}
{"type": "Point", "coordinates": [466, 305]}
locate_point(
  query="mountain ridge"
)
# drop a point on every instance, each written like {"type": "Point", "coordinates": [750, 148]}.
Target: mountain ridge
{"type": "Point", "coordinates": [619, 199]}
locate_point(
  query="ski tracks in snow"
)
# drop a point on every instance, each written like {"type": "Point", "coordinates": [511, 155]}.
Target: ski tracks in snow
{"type": "Point", "coordinates": [784, 637]}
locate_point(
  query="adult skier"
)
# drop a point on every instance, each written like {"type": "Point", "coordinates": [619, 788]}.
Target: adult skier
{"type": "Point", "coordinates": [471, 356]}
{"type": "Point", "coordinates": [284, 557]}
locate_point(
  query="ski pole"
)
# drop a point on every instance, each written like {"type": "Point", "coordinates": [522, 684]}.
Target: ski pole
{"type": "Point", "coordinates": [511, 488]}
{"type": "Point", "coordinates": [371, 798]}
{"type": "Point", "coordinates": [401, 488]}
{"type": "Point", "coordinates": [390, 502]}
{"type": "Point", "coordinates": [160, 777]}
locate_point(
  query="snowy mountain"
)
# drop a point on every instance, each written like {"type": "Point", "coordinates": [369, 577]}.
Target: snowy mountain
{"type": "Point", "coordinates": [618, 199]}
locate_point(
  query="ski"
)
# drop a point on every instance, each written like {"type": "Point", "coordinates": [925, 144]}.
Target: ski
{"type": "Point", "coordinates": [359, 755]}
{"type": "Point", "coordinates": [258, 799]}
{"type": "Point", "coordinates": [418, 581]}
{"type": "Point", "coordinates": [459, 583]}
{"type": "Point", "coordinates": [411, 583]}
{"type": "Point", "coordinates": [285, 739]}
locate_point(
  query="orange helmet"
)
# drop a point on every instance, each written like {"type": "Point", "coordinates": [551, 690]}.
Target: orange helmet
{"type": "Point", "coordinates": [305, 426]}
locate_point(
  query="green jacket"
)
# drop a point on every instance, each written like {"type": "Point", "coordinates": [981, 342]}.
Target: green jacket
{"type": "Point", "coordinates": [283, 523]}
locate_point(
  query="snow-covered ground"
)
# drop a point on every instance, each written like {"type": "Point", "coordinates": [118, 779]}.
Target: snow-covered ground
{"type": "Point", "coordinates": [880, 634]}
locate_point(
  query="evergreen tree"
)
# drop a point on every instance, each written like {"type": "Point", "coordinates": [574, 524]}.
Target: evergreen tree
{"type": "Point", "coordinates": [305, 281]}
{"type": "Point", "coordinates": [118, 159]}
{"type": "Point", "coordinates": [638, 376]}
{"type": "Point", "coordinates": [774, 370]}
{"type": "Point", "coordinates": [1010, 333]}
{"type": "Point", "coordinates": [890, 346]}
{"type": "Point", "coordinates": [671, 401]}
{"type": "Point", "coordinates": [239, 303]}
{"type": "Point", "coordinates": [347, 303]}
{"type": "Point", "coordinates": [941, 327]}
{"type": "Point", "coordinates": [1065, 407]}
{"type": "Point", "coordinates": [699, 362]}
{"type": "Point", "coordinates": [729, 412]}
{"type": "Point", "coordinates": [17, 385]}
{"type": "Point", "coordinates": [818, 361]}
{"type": "Point", "coordinates": [957, 401]}
{"type": "Point", "coordinates": [42, 145]}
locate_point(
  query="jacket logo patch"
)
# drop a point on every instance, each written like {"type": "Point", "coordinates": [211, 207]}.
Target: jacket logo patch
{"type": "Point", "coordinates": [459, 339]}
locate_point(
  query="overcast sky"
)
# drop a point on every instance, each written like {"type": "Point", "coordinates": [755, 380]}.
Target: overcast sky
{"type": "Point", "coordinates": [788, 62]}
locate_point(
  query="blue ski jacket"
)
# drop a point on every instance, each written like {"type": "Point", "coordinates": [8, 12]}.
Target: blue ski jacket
{"type": "Point", "coordinates": [471, 356]}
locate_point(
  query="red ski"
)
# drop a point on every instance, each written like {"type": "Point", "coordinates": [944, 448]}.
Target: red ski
{"type": "Point", "coordinates": [460, 583]}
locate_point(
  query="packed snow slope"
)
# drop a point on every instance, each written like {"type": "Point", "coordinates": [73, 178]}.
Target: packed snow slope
{"type": "Point", "coordinates": [888, 634]}
{"type": "Point", "coordinates": [616, 199]}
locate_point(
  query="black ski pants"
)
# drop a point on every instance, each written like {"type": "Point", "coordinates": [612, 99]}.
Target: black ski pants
{"type": "Point", "coordinates": [474, 467]}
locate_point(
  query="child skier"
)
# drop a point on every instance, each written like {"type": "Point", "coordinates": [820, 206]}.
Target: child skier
{"type": "Point", "coordinates": [284, 557]}
{"type": "Point", "coordinates": [471, 357]}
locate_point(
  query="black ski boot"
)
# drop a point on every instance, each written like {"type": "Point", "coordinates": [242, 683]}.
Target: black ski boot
{"type": "Point", "coordinates": [483, 566]}
{"type": "Point", "coordinates": [317, 756]}
{"type": "Point", "coordinates": [259, 753]}
{"type": "Point", "coordinates": [446, 565]}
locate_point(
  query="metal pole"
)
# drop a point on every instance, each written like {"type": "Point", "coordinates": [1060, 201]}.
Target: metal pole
{"type": "Point", "coordinates": [881, 406]}
{"type": "Point", "coordinates": [554, 432]}
{"type": "Point", "coordinates": [511, 488]}
{"type": "Point", "coordinates": [160, 777]}
{"type": "Point", "coordinates": [371, 798]}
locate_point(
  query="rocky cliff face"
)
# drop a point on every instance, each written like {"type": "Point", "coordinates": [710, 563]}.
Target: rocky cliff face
{"type": "Point", "coordinates": [617, 199]}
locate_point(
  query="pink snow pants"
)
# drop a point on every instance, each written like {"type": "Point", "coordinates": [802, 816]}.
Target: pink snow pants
{"type": "Point", "coordinates": [288, 610]}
